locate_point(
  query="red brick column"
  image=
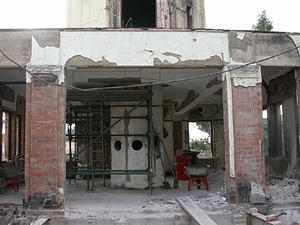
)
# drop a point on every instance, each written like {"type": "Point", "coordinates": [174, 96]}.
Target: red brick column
{"type": "Point", "coordinates": [45, 146]}
{"type": "Point", "coordinates": [244, 163]}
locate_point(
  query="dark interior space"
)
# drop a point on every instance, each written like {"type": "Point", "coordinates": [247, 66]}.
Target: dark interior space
{"type": "Point", "coordinates": [137, 13]}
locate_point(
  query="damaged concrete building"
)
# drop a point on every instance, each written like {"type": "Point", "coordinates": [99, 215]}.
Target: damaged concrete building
{"type": "Point", "coordinates": [111, 98]}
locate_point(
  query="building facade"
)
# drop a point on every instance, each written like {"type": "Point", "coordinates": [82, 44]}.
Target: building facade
{"type": "Point", "coordinates": [119, 99]}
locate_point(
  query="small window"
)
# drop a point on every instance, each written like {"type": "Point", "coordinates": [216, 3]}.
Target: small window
{"type": "Point", "coordinates": [189, 16]}
{"type": "Point", "coordinates": [137, 145]}
{"type": "Point", "coordinates": [118, 145]}
{"type": "Point", "coordinates": [5, 136]}
{"type": "Point", "coordinates": [138, 13]}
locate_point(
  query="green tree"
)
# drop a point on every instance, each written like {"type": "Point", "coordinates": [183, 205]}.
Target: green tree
{"type": "Point", "coordinates": [263, 23]}
{"type": "Point", "coordinates": [200, 144]}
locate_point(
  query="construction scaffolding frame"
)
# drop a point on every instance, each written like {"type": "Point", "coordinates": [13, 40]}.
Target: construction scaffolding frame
{"type": "Point", "coordinates": [91, 103]}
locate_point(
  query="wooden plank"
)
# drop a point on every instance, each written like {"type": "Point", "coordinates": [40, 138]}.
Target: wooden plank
{"type": "Point", "coordinates": [195, 211]}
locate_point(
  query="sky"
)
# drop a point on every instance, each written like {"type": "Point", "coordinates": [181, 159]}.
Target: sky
{"type": "Point", "coordinates": [220, 14]}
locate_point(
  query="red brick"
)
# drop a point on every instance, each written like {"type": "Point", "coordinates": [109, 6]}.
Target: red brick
{"type": "Point", "coordinates": [248, 134]}
{"type": "Point", "coordinates": [45, 112]}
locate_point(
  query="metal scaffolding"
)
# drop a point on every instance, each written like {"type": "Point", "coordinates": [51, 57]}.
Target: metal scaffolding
{"type": "Point", "coordinates": [82, 106]}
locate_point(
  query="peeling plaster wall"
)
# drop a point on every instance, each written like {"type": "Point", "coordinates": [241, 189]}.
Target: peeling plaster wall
{"type": "Point", "coordinates": [125, 48]}
{"type": "Point", "coordinates": [45, 55]}
{"type": "Point", "coordinates": [296, 40]}
{"type": "Point", "coordinates": [87, 13]}
{"type": "Point", "coordinates": [16, 45]}
{"type": "Point", "coordinates": [248, 47]}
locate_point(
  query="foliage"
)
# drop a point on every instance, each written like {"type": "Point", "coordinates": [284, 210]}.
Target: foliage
{"type": "Point", "coordinates": [204, 126]}
{"type": "Point", "coordinates": [263, 23]}
{"type": "Point", "coordinates": [200, 144]}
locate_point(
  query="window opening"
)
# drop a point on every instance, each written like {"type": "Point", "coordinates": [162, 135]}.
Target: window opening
{"type": "Point", "coordinates": [200, 138]}
{"type": "Point", "coordinates": [137, 13]}
{"type": "Point", "coordinates": [137, 145]}
{"type": "Point", "coordinates": [70, 148]}
{"type": "Point", "coordinates": [18, 135]}
{"type": "Point", "coordinates": [5, 136]}
{"type": "Point", "coordinates": [266, 131]}
{"type": "Point", "coordinates": [118, 145]}
{"type": "Point", "coordinates": [189, 16]}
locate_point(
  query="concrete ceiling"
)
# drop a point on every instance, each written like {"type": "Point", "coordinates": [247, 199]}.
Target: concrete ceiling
{"type": "Point", "coordinates": [176, 91]}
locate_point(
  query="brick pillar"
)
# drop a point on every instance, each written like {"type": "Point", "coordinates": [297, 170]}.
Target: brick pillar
{"type": "Point", "coordinates": [45, 141]}
{"type": "Point", "coordinates": [243, 127]}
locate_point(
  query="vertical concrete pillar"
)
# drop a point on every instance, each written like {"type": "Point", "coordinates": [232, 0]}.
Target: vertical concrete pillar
{"type": "Point", "coordinates": [290, 134]}
{"type": "Point", "coordinates": [163, 14]}
{"type": "Point", "coordinates": [45, 139]}
{"type": "Point", "coordinates": [243, 129]}
{"type": "Point", "coordinates": [1, 110]}
{"type": "Point", "coordinates": [297, 76]}
{"type": "Point", "coordinates": [275, 134]}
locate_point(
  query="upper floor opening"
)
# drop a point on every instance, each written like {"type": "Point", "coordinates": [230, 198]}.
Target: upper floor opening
{"type": "Point", "coordinates": [137, 13]}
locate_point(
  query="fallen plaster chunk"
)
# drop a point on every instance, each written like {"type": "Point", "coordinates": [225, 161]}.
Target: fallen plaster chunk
{"type": "Point", "coordinates": [257, 195]}
{"type": "Point", "coordinates": [41, 220]}
{"type": "Point", "coordinates": [256, 218]}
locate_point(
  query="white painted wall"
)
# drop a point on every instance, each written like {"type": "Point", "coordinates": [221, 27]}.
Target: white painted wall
{"type": "Point", "coordinates": [125, 48]}
{"type": "Point", "coordinates": [87, 13]}
{"type": "Point", "coordinates": [137, 160]}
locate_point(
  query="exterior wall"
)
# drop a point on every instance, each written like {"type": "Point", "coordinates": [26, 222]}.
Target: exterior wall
{"type": "Point", "coordinates": [199, 18]}
{"type": "Point", "coordinates": [143, 49]}
{"type": "Point", "coordinates": [45, 143]}
{"type": "Point", "coordinates": [107, 49]}
{"type": "Point", "coordinates": [163, 18]}
{"type": "Point", "coordinates": [91, 13]}
{"type": "Point", "coordinates": [243, 127]}
{"type": "Point", "coordinates": [104, 13]}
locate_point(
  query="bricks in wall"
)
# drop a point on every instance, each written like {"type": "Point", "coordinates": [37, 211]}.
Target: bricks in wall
{"type": "Point", "coordinates": [44, 163]}
{"type": "Point", "coordinates": [248, 138]}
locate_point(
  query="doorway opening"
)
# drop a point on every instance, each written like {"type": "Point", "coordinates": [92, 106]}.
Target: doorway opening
{"type": "Point", "coordinates": [5, 136]}
{"type": "Point", "coordinates": [200, 138]}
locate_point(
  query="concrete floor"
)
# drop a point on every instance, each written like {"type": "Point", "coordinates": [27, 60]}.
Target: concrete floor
{"type": "Point", "coordinates": [122, 206]}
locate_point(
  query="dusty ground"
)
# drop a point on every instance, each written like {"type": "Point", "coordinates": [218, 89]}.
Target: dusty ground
{"type": "Point", "coordinates": [120, 206]}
